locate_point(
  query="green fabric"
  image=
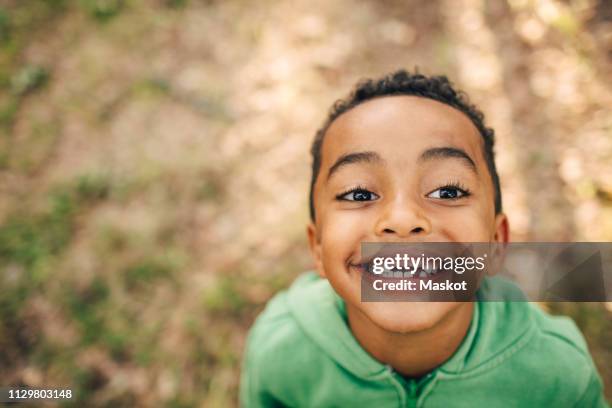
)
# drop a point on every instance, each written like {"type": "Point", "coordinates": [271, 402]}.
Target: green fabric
{"type": "Point", "coordinates": [301, 353]}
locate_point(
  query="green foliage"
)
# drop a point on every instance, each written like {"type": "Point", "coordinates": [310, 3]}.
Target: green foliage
{"type": "Point", "coordinates": [29, 79]}
{"type": "Point", "coordinates": [225, 297]}
{"type": "Point", "coordinates": [209, 190]}
{"type": "Point", "coordinates": [176, 4]}
{"type": "Point", "coordinates": [103, 10]}
{"type": "Point", "coordinates": [90, 188]}
{"type": "Point", "coordinates": [5, 26]}
{"type": "Point", "coordinates": [7, 113]}
{"type": "Point", "coordinates": [25, 81]}
{"type": "Point", "coordinates": [142, 273]}
{"type": "Point", "coordinates": [20, 22]}
{"type": "Point", "coordinates": [87, 308]}
{"type": "Point", "coordinates": [35, 147]}
{"type": "Point", "coordinates": [152, 86]}
{"type": "Point", "coordinates": [27, 240]}
{"type": "Point", "coordinates": [86, 381]}
{"type": "Point", "coordinates": [30, 241]}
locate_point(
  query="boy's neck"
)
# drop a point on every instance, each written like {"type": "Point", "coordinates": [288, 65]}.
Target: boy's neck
{"type": "Point", "coordinates": [413, 354]}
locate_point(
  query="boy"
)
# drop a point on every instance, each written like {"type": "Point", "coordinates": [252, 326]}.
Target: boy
{"type": "Point", "coordinates": [407, 159]}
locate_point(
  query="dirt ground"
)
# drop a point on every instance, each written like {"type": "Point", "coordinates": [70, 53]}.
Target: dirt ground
{"type": "Point", "coordinates": [154, 166]}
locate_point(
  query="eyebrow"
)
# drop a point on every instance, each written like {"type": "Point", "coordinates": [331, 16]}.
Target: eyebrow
{"type": "Point", "coordinates": [448, 152]}
{"type": "Point", "coordinates": [350, 158]}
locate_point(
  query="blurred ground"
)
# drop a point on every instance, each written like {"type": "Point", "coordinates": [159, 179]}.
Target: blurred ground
{"type": "Point", "coordinates": [154, 166]}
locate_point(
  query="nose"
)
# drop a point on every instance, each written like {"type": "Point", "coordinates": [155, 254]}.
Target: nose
{"type": "Point", "coordinates": [402, 219]}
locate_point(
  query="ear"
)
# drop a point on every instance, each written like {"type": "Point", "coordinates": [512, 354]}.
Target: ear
{"type": "Point", "coordinates": [500, 241]}
{"type": "Point", "coordinates": [314, 242]}
{"type": "Point", "coordinates": [502, 229]}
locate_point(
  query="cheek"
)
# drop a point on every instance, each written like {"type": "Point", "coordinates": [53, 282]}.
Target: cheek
{"type": "Point", "coordinates": [468, 224]}
{"type": "Point", "coordinates": [341, 236]}
{"type": "Point", "coordinates": [342, 228]}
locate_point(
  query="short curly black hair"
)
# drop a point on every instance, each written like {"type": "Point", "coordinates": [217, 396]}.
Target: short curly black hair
{"type": "Point", "coordinates": [402, 82]}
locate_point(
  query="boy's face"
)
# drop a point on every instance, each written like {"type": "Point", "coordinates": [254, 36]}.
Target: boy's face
{"type": "Point", "coordinates": [399, 169]}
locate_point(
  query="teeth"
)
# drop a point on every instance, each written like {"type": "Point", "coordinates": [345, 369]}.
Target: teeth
{"type": "Point", "coordinates": [421, 273]}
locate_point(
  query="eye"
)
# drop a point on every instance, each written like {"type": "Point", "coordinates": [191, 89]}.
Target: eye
{"type": "Point", "coordinates": [448, 193]}
{"type": "Point", "coordinates": [358, 194]}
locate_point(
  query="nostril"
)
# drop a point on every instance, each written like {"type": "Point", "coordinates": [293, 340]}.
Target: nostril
{"type": "Point", "coordinates": [416, 230]}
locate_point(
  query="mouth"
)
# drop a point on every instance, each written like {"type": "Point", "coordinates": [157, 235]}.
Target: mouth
{"type": "Point", "coordinates": [365, 269]}
{"type": "Point", "coordinates": [435, 273]}
{"type": "Point", "coordinates": [415, 262]}
{"type": "Point", "coordinates": [366, 262]}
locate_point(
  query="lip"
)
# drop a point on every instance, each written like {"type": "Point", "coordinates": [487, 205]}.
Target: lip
{"type": "Point", "coordinates": [415, 250]}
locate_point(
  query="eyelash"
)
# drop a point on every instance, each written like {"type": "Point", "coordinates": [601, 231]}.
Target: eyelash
{"type": "Point", "coordinates": [353, 190]}
{"type": "Point", "coordinates": [455, 185]}
{"type": "Point", "coordinates": [465, 192]}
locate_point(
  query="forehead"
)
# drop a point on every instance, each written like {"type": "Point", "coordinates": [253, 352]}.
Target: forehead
{"type": "Point", "coordinates": [400, 126]}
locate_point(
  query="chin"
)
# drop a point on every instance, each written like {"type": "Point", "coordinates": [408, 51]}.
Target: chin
{"type": "Point", "coordinates": [407, 317]}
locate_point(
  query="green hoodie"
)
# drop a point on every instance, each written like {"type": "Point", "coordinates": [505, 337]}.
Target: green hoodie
{"type": "Point", "coordinates": [301, 353]}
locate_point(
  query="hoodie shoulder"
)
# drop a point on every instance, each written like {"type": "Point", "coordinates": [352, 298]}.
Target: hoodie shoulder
{"type": "Point", "coordinates": [559, 359]}
{"type": "Point", "coordinates": [560, 339]}
{"type": "Point", "coordinates": [520, 349]}
{"type": "Point", "coordinates": [276, 339]}
{"type": "Point", "coordinates": [276, 322]}
{"type": "Point", "coordinates": [277, 352]}
{"type": "Point", "coordinates": [560, 329]}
